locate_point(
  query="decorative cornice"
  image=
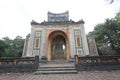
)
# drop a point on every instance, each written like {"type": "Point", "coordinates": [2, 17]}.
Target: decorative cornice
{"type": "Point", "coordinates": [57, 23]}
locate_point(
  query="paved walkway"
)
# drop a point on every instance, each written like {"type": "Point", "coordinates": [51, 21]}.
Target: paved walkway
{"type": "Point", "coordinates": [83, 75]}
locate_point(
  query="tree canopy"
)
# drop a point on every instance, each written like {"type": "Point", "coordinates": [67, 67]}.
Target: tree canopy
{"type": "Point", "coordinates": [11, 48]}
{"type": "Point", "coordinates": [108, 33]}
{"type": "Point", "coordinates": [3, 45]}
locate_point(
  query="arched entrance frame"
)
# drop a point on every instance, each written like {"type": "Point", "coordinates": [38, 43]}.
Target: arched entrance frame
{"type": "Point", "coordinates": [53, 33]}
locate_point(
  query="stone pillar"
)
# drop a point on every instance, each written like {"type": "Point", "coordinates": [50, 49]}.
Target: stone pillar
{"type": "Point", "coordinates": [84, 42]}
{"type": "Point", "coordinates": [92, 45]}
{"type": "Point", "coordinates": [76, 59]}
{"type": "Point", "coordinates": [43, 44]}
{"type": "Point", "coordinates": [26, 45]}
{"type": "Point", "coordinates": [31, 42]}
{"type": "Point", "coordinates": [72, 43]}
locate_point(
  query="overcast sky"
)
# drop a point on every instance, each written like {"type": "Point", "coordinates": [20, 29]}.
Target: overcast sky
{"type": "Point", "coordinates": [16, 15]}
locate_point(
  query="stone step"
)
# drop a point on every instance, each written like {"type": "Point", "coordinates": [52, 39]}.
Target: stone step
{"type": "Point", "coordinates": [56, 72]}
{"type": "Point", "coordinates": [57, 65]}
{"type": "Point", "coordinates": [55, 68]}
{"type": "Point", "coordinates": [58, 61]}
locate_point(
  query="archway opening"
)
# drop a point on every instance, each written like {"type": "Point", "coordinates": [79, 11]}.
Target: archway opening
{"type": "Point", "coordinates": [58, 46]}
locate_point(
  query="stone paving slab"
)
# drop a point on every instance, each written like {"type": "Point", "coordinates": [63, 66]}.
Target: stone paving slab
{"type": "Point", "coordinates": [83, 75]}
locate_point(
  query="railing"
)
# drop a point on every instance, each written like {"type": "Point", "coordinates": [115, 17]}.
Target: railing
{"type": "Point", "coordinates": [97, 63]}
{"type": "Point", "coordinates": [16, 61]}
{"type": "Point", "coordinates": [21, 64]}
{"type": "Point", "coordinates": [98, 59]}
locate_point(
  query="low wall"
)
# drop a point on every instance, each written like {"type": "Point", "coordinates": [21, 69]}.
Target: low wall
{"type": "Point", "coordinates": [98, 63]}
{"type": "Point", "coordinates": [23, 64]}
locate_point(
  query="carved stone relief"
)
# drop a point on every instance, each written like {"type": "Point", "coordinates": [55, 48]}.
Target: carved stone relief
{"type": "Point", "coordinates": [78, 42]}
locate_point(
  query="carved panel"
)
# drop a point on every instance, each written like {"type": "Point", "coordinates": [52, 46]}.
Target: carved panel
{"type": "Point", "coordinates": [78, 42]}
{"type": "Point", "coordinates": [37, 43]}
{"type": "Point", "coordinates": [37, 40]}
{"type": "Point", "coordinates": [80, 52]}
{"type": "Point", "coordinates": [35, 52]}
{"type": "Point", "coordinates": [52, 17]}
{"type": "Point", "coordinates": [77, 32]}
{"type": "Point", "coordinates": [37, 34]}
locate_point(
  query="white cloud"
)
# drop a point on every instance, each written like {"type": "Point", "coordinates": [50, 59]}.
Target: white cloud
{"type": "Point", "coordinates": [16, 15]}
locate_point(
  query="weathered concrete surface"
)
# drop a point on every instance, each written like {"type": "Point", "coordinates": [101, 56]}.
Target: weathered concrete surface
{"type": "Point", "coordinates": [83, 75]}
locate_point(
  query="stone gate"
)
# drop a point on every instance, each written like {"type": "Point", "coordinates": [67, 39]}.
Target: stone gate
{"type": "Point", "coordinates": [57, 38]}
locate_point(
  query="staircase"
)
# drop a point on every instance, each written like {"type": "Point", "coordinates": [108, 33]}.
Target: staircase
{"type": "Point", "coordinates": [56, 67]}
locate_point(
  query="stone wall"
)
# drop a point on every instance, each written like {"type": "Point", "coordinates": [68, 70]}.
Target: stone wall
{"type": "Point", "coordinates": [98, 63]}
{"type": "Point", "coordinates": [26, 64]}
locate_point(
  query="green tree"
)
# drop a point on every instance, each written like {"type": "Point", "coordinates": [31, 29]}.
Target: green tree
{"type": "Point", "coordinates": [15, 46]}
{"type": "Point", "coordinates": [117, 17]}
{"type": "Point", "coordinates": [18, 44]}
{"type": "Point", "coordinates": [3, 46]}
{"type": "Point", "coordinates": [108, 34]}
{"type": "Point", "coordinates": [8, 50]}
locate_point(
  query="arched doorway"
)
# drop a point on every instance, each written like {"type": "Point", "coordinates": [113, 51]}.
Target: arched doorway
{"type": "Point", "coordinates": [58, 45]}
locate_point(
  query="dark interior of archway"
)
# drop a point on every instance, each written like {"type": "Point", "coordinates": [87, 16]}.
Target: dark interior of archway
{"type": "Point", "coordinates": [59, 47]}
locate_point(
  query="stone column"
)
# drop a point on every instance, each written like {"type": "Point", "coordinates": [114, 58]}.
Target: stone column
{"type": "Point", "coordinates": [92, 45]}
{"type": "Point", "coordinates": [26, 45]}
{"type": "Point", "coordinates": [72, 43]}
{"type": "Point", "coordinates": [84, 41]}
{"type": "Point", "coordinates": [43, 44]}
